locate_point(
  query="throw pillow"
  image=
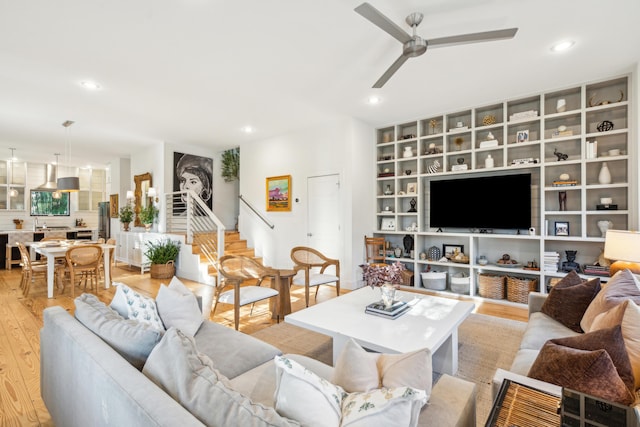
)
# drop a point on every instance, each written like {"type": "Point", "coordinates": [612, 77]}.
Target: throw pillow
{"type": "Point", "coordinates": [178, 308]}
{"type": "Point", "coordinates": [569, 299]}
{"type": "Point", "coordinates": [188, 376]}
{"type": "Point", "coordinates": [590, 372]}
{"type": "Point", "coordinates": [119, 301]}
{"type": "Point", "coordinates": [622, 286]}
{"type": "Point", "coordinates": [359, 370]}
{"type": "Point", "coordinates": [141, 308]}
{"type": "Point", "coordinates": [306, 397]}
{"type": "Point", "coordinates": [627, 315]}
{"type": "Point", "coordinates": [609, 339]}
{"type": "Point", "coordinates": [131, 339]}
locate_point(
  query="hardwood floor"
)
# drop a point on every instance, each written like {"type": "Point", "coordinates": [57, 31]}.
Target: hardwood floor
{"type": "Point", "coordinates": [21, 320]}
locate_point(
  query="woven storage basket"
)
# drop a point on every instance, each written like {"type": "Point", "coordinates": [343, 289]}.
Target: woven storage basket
{"type": "Point", "coordinates": [490, 286]}
{"type": "Point", "coordinates": [518, 289]}
{"type": "Point", "coordinates": [162, 271]}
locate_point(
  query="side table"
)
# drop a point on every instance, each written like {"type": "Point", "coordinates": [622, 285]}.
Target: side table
{"type": "Point", "coordinates": [520, 405]}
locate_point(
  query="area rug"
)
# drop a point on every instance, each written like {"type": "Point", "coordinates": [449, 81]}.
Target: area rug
{"type": "Point", "coordinates": [485, 344]}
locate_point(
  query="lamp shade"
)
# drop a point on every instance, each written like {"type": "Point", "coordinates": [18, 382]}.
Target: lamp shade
{"type": "Point", "coordinates": [129, 194]}
{"type": "Point", "coordinates": [69, 184]}
{"type": "Point", "coordinates": [151, 192]}
{"type": "Point", "coordinates": [621, 245]}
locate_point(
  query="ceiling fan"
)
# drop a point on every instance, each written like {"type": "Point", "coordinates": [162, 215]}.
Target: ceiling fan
{"type": "Point", "coordinates": [414, 45]}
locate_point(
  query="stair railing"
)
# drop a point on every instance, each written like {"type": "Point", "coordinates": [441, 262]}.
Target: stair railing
{"type": "Point", "coordinates": [265, 220]}
{"type": "Point", "coordinates": [187, 213]}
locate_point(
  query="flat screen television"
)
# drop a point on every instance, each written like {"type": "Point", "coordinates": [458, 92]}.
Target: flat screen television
{"type": "Point", "coordinates": [484, 203]}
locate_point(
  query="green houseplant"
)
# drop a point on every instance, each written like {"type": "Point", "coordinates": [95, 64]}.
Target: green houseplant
{"type": "Point", "coordinates": [162, 255]}
{"type": "Point", "coordinates": [147, 215]}
{"type": "Point", "coordinates": [231, 164]}
{"type": "Point", "coordinates": [126, 216]}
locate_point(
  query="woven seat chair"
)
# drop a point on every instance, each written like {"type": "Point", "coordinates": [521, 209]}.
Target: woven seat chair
{"type": "Point", "coordinates": [311, 268]}
{"type": "Point", "coordinates": [83, 261]}
{"type": "Point", "coordinates": [235, 270]}
{"type": "Point", "coordinates": [31, 269]}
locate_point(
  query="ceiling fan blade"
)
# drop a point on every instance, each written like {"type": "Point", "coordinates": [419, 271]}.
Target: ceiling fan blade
{"type": "Point", "coordinates": [384, 23]}
{"type": "Point", "coordinates": [390, 71]}
{"type": "Point", "coordinates": [472, 38]}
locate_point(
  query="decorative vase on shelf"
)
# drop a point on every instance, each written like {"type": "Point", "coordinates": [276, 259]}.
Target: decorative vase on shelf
{"type": "Point", "coordinates": [604, 177]}
{"type": "Point", "coordinates": [561, 106]}
{"type": "Point", "coordinates": [388, 293]}
{"type": "Point", "coordinates": [387, 191]}
{"type": "Point", "coordinates": [408, 151]}
{"type": "Point", "coordinates": [604, 225]}
{"type": "Point", "coordinates": [125, 226]}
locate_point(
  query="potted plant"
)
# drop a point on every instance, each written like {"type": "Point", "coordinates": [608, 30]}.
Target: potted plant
{"type": "Point", "coordinates": [126, 216]}
{"type": "Point", "coordinates": [162, 255]}
{"type": "Point", "coordinates": [147, 215]}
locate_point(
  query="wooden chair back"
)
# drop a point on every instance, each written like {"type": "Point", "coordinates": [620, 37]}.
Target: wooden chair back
{"type": "Point", "coordinates": [375, 249]}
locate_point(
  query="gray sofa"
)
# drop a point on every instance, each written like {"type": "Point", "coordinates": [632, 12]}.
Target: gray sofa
{"type": "Point", "coordinates": [86, 382]}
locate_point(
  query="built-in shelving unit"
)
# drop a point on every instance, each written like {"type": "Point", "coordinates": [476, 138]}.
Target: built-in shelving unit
{"type": "Point", "coordinates": [548, 135]}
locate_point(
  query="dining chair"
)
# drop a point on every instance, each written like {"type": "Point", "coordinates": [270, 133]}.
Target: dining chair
{"type": "Point", "coordinates": [236, 270]}
{"type": "Point", "coordinates": [375, 251]}
{"type": "Point", "coordinates": [84, 261]}
{"type": "Point", "coordinates": [31, 269]}
{"type": "Point", "coordinates": [311, 267]}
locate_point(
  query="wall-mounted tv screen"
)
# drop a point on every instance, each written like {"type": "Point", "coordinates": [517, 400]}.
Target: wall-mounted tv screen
{"type": "Point", "coordinates": [487, 202]}
{"type": "Point", "coordinates": [43, 203]}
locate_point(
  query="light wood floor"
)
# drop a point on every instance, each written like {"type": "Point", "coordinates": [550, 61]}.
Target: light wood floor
{"type": "Point", "coordinates": [21, 320]}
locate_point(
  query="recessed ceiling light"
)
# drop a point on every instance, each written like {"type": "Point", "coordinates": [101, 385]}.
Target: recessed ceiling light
{"type": "Point", "coordinates": [563, 45]}
{"type": "Point", "coordinates": [89, 85]}
{"type": "Point", "coordinates": [247, 129]}
{"type": "Point", "coordinates": [374, 99]}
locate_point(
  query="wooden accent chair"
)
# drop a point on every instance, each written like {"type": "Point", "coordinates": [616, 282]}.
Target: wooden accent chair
{"type": "Point", "coordinates": [236, 269]}
{"type": "Point", "coordinates": [313, 266]}
{"type": "Point", "coordinates": [375, 251]}
{"type": "Point", "coordinates": [84, 261]}
{"type": "Point", "coordinates": [31, 269]}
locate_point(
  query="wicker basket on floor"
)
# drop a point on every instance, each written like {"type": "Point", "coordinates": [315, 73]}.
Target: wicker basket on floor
{"type": "Point", "coordinates": [490, 286]}
{"type": "Point", "coordinates": [518, 288]}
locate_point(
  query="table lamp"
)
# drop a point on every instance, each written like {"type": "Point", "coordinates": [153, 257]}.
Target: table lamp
{"type": "Point", "coordinates": [623, 247]}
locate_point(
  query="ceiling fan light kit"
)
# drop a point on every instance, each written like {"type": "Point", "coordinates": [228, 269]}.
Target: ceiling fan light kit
{"type": "Point", "coordinates": [414, 45]}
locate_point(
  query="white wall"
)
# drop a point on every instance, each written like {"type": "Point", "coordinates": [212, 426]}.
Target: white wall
{"type": "Point", "coordinates": [342, 147]}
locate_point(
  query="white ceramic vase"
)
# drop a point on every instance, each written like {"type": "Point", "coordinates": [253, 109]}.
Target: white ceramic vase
{"type": "Point", "coordinates": [604, 225]}
{"type": "Point", "coordinates": [604, 177]}
{"type": "Point", "coordinates": [388, 293]}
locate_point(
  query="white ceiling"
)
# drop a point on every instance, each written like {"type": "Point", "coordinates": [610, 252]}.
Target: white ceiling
{"type": "Point", "coordinates": [198, 71]}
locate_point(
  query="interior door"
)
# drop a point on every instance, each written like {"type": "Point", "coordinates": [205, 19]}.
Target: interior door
{"type": "Point", "coordinates": [324, 233]}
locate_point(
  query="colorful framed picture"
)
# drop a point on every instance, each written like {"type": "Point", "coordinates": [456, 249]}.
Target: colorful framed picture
{"type": "Point", "coordinates": [279, 193]}
{"type": "Point", "coordinates": [450, 250]}
{"type": "Point", "coordinates": [113, 205]}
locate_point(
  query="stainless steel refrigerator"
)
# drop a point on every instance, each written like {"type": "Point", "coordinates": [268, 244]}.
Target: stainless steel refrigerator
{"type": "Point", "coordinates": [104, 220]}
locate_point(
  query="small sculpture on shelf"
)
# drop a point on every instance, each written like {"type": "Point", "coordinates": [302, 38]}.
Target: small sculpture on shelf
{"type": "Point", "coordinates": [570, 264]}
{"type": "Point", "coordinates": [559, 155]}
{"type": "Point", "coordinates": [433, 124]}
{"type": "Point", "coordinates": [413, 204]}
{"type": "Point", "coordinates": [433, 149]}
{"type": "Point", "coordinates": [605, 126]}
{"type": "Point", "coordinates": [407, 242]}
{"type": "Point", "coordinates": [434, 167]}
{"type": "Point", "coordinates": [562, 200]}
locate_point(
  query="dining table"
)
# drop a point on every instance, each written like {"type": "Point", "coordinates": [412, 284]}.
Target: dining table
{"type": "Point", "coordinates": [58, 249]}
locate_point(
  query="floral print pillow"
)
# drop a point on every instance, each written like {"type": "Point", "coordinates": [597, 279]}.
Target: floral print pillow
{"type": "Point", "coordinates": [141, 308]}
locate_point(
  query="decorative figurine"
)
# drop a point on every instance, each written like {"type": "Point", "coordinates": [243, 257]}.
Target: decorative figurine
{"type": "Point", "coordinates": [407, 241]}
{"type": "Point", "coordinates": [413, 206]}
{"type": "Point", "coordinates": [559, 155]}
{"type": "Point", "coordinates": [562, 200]}
{"type": "Point", "coordinates": [433, 167]}
{"type": "Point", "coordinates": [570, 264]}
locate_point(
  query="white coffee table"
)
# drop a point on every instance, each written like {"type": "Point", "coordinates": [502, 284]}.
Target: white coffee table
{"type": "Point", "coordinates": [432, 322]}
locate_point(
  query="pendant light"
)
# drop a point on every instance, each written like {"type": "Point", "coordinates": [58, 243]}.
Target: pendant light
{"type": "Point", "coordinates": [56, 194]}
{"type": "Point", "coordinates": [69, 183]}
{"type": "Point", "coordinates": [13, 192]}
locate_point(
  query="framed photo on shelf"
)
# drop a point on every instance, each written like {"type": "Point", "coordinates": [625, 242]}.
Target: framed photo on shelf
{"type": "Point", "coordinates": [279, 193]}
{"type": "Point", "coordinates": [561, 228]}
{"type": "Point", "coordinates": [449, 250]}
{"type": "Point", "coordinates": [522, 136]}
{"type": "Point", "coordinates": [412, 188]}
{"type": "Point", "coordinates": [388, 224]}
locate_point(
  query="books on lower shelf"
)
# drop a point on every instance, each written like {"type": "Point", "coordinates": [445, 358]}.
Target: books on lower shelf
{"type": "Point", "coordinates": [550, 261]}
{"type": "Point", "coordinates": [398, 308]}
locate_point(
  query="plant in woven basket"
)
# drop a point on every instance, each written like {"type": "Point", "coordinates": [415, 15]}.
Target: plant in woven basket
{"type": "Point", "coordinates": [162, 251]}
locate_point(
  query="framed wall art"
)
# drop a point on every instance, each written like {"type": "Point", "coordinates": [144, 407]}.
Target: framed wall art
{"type": "Point", "coordinates": [522, 136]}
{"type": "Point", "coordinates": [113, 206]}
{"type": "Point", "coordinates": [561, 228]}
{"type": "Point", "coordinates": [450, 250]}
{"type": "Point", "coordinates": [388, 224]}
{"type": "Point", "coordinates": [279, 193]}
{"type": "Point", "coordinates": [193, 173]}
{"type": "Point", "coordinates": [412, 188]}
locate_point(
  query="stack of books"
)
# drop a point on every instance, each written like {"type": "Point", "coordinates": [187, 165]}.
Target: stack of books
{"type": "Point", "coordinates": [550, 262]}
{"type": "Point", "coordinates": [596, 270]}
{"type": "Point", "coordinates": [397, 309]}
{"type": "Point", "coordinates": [568, 183]}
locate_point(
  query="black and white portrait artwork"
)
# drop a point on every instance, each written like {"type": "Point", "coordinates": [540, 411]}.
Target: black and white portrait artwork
{"type": "Point", "coordinates": [193, 173]}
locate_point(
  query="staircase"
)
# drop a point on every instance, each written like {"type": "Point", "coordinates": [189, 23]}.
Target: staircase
{"type": "Point", "coordinates": [233, 245]}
